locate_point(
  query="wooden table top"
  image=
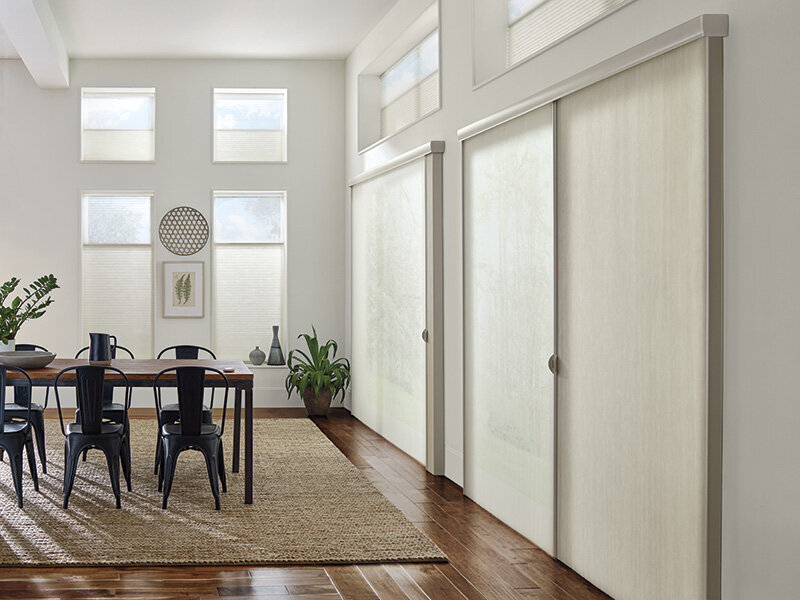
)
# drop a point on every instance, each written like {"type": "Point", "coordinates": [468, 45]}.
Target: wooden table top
{"type": "Point", "coordinates": [141, 371]}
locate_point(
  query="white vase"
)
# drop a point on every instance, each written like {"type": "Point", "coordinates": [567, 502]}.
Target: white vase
{"type": "Point", "coordinates": [9, 347]}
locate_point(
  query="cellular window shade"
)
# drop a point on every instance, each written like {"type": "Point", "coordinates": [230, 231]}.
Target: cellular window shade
{"type": "Point", "coordinates": [118, 124]}
{"type": "Point", "coordinates": [249, 271]}
{"type": "Point", "coordinates": [250, 126]}
{"type": "Point", "coordinates": [389, 292]}
{"type": "Point", "coordinates": [550, 21]}
{"type": "Point", "coordinates": [410, 89]}
{"type": "Point", "coordinates": [117, 269]}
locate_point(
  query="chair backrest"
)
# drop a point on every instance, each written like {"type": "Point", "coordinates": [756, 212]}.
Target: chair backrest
{"type": "Point", "coordinates": [191, 385]}
{"type": "Point", "coordinates": [108, 392]}
{"type": "Point", "coordinates": [113, 351]}
{"type": "Point", "coordinates": [90, 387]}
{"type": "Point", "coordinates": [187, 352]}
{"type": "Point", "coordinates": [23, 395]}
{"type": "Point", "coordinates": [3, 382]}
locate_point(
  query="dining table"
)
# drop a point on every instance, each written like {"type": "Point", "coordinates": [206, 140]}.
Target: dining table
{"type": "Point", "coordinates": [143, 372]}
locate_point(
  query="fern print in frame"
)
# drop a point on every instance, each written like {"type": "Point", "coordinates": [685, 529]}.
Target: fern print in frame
{"type": "Point", "coordinates": [183, 289]}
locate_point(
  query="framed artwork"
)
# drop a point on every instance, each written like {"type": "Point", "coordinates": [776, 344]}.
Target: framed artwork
{"type": "Point", "coordinates": [183, 289]}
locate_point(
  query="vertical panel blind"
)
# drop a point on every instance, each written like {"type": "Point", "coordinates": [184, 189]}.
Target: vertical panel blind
{"type": "Point", "coordinates": [249, 270]}
{"type": "Point", "coordinates": [249, 125]}
{"type": "Point", "coordinates": [118, 124]}
{"type": "Point", "coordinates": [410, 89]}
{"type": "Point", "coordinates": [509, 323]}
{"type": "Point", "coordinates": [533, 25]}
{"type": "Point", "coordinates": [389, 370]}
{"type": "Point", "coordinates": [117, 290]}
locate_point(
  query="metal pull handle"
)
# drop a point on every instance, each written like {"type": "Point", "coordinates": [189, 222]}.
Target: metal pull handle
{"type": "Point", "coordinates": [425, 335]}
{"type": "Point", "coordinates": [552, 364]}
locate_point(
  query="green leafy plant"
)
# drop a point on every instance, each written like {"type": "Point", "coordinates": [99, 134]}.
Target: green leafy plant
{"type": "Point", "coordinates": [32, 306]}
{"type": "Point", "coordinates": [318, 368]}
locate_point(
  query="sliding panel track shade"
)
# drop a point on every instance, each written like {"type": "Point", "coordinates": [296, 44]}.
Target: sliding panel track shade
{"type": "Point", "coordinates": [389, 296]}
{"type": "Point", "coordinates": [632, 329]}
{"type": "Point", "coordinates": [509, 323]}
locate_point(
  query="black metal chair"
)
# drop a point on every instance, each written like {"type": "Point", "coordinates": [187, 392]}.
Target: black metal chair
{"type": "Point", "coordinates": [169, 413]}
{"type": "Point", "coordinates": [113, 411]}
{"type": "Point", "coordinates": [91, 431]}
{"type": "Point", "coordinates": [190, 432]}
{"type": "Point", "coordinates": [14, 436]}
{"type": "Point", "coordinates": [23, 408]}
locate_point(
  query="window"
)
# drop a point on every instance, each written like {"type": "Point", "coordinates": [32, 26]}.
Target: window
{"type": "Point", "coordinates": [117, 289]}
{"type": "Point", "coordinates": [410, 89]}
{"type": "Point", "coordinates": [249, 276]}
{"type": "Point", "coordinates": [249, 125]}
{"type": "Point", "coordinates": [118, 124]}
{"type": "Point", "coordinates": [535, 25]}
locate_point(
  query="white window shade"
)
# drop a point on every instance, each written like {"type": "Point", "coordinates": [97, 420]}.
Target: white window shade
{"type": "Point", "coordinates": [117, 283]}
{"type": "Point", "coordinates": [410, 89]}
{"type": "Point", "coordinates": [118, 124]}
{"type": "Point", "coordinates": [249, 125]}
{"type": "Point", "coordinates": [389, 295]}
{"type": "Point", "coordinates": [249, 271]}
{"type": "Point", "coordinates": [534, 25]}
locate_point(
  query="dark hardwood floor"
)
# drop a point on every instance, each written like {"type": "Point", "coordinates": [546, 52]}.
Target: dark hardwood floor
{"type": "Point", "coordinates": [488, 561]}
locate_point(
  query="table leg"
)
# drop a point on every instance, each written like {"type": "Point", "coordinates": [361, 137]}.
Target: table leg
{"type": "Point", "coordinates": [248, 446]}
{"type": "Point", "coordinates": [237, 426]}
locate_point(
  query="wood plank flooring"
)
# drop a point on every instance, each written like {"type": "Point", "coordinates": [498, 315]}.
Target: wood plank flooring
{"type": "Point", "coordinates": [488, 561]}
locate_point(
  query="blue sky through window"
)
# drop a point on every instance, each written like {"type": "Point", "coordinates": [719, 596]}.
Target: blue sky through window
{"type": "Point", "coordinates": [248, 111]}
{"type": "Point", "coordinates": [105, 111]}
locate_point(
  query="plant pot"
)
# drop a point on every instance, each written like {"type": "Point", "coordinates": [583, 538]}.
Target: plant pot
{"type": "Point", "coordinates": [9, 347]}
{"type": "Point", "coordinates": [317, 404]}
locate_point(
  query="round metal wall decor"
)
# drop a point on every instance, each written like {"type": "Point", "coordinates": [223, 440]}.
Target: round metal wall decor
{"type": "Point", "coordinates": [183, 231]}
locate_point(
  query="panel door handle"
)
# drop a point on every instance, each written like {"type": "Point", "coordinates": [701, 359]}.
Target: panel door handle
{"type": "Point", "coordinates": [425, 335]}
{"type": "Point", "coordinates": [552, 364]}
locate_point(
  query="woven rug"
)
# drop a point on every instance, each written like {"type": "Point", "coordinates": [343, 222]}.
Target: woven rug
{"type": "Point", "coordinates": [310, 506]}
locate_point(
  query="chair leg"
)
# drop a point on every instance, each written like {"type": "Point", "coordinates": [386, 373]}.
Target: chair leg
{"type": "Point", "coordinates": [85, 452]}
{"type": "Point", "coordinates": [112, 458]}
{"type": "Point", "coordinates": [168, 472]}
{"type": "Point", "coordinates": [70, 467]}
{"type": "Point", "coordinates": [16, 472]}
{"type": "Point", "coordinates": [32, 462]}
{"type": "Point", "coordinates": [37, 422]}
{"type": "Point", "coordinates": [125, 458]}
{"type": "Point", "coordinates": [158, 452]}
{"type": "Point", "coordinates": [221, 468]}
{"type": "Point", "coordinates": [213, 475]}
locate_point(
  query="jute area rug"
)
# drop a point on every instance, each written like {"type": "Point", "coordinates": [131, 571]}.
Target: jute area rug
{"type": "Point", "coordinates": [310, 506]}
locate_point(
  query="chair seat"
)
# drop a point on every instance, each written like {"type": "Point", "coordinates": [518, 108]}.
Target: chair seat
{"type": "Point", "coordinates": [175, 429]}
{"type": "Point", "coordinates": [14, 427]}
{"type": "Point", "coordinates": [105, 429]}
{"type": "Point", "coordinates": [113, 406]}
{"type": "Point", "coordinates": [174, 408]}
{"type": "Point", "coordinates": [15, 408]}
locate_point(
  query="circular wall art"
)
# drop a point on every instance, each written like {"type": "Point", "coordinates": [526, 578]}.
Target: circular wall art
{"type": "Point", "coordinates": [183, 231]}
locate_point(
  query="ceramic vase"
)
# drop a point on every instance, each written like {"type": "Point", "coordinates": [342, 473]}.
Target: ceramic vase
{"type": "Point", "coordinates": [9, 347]}
{"type": "Point", "coordinates": [275, 352]}
{"type": "Point", "coordinates": [257, 356]}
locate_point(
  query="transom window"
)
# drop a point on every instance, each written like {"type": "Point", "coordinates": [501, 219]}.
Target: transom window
{"type": "Point", "coordinates": [118, 124]}
{"type": "Point", "coordinates": [250, 125]}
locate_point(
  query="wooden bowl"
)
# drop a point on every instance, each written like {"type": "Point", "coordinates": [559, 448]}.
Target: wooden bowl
{"type": "Point", "coordinates": [25, 359]}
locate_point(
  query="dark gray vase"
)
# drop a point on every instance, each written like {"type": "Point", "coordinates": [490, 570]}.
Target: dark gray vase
{"type": "Point", "coordinates": [257, 356]}
{"type": "Point", "coordinates": [275, 352]}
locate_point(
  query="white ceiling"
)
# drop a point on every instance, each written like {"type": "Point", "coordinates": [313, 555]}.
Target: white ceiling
{"type": "Point", "coordinates": [212, 28]}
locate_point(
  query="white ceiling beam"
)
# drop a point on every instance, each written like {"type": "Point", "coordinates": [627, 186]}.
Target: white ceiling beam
{"type": "Point", "coordinates": [33, 31]}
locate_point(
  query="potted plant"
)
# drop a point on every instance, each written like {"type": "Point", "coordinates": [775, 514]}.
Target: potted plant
{"type": "Point", "coordinates": [318, 376]}
{"type": "Point", "coordinates": [32, 306]}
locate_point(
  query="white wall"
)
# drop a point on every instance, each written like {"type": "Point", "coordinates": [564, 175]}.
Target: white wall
{"type": "Point", "coordinates": [761, 493]}
{"type": "Point", "coordinates": [41, 179]}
